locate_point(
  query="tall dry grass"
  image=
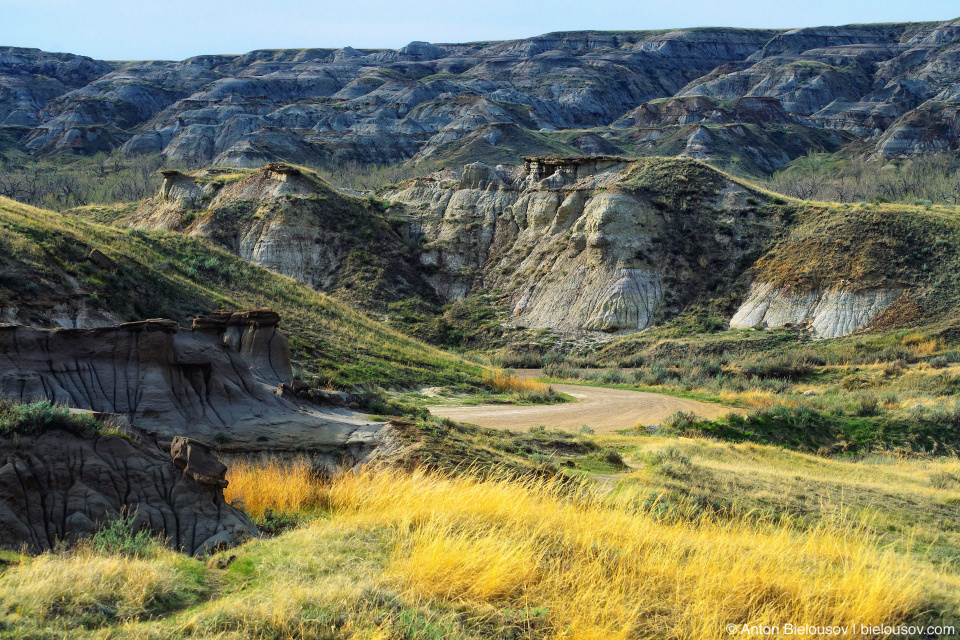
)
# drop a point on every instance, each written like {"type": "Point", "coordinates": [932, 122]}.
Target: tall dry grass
{"type": "Point", "coordinates": [600, 567]}
{"type": "Point", "coordinates": [87, 588]}
{"type": "Point", "coordinates": [500, 380]}
{"type": "Point", "coordinates": [281, 485]}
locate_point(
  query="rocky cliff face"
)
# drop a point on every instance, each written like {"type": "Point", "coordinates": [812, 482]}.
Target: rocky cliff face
{"type": "Point", "coordinates": [829, 314]}
{"type": "Point", "coordinates": [595, 244]}
{"type": "Point", "coordinates": [291, 222]}
{"type": "Point", "coordinates": [59, 486]}
{"type": "Point", "coordinates": [601, 244]}
{"type": "Point", "coordinates": [840, 268]}
{"type": "Point", "coordinates": [574, 244]}
{"type": "Point", "coordinates": [377, 106]}
{"type": "Point", "coordinates": [30, 79]}
{"type": "Point", "coordinates": [216, 383]}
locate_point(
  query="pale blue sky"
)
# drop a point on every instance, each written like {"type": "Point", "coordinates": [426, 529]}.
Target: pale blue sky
{"type": "Point", "coordinates": [176, 29]}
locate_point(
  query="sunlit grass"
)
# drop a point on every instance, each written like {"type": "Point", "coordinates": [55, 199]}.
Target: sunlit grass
{"type": "Point", "coordinates": [84, 587]}
{"type": "Point", "coordinates": [282, 486]}
{"type": "Point", "coordinates": [602, 568]}
{"type": "Point", "coordinates": [415, 554]}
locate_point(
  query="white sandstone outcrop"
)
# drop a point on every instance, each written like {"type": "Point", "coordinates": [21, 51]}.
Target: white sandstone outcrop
{"type": "Point", "coordinates": [829, 313]}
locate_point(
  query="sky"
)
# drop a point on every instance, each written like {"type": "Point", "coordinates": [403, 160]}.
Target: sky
{"type": "Point", "coordinates": [178, 29]}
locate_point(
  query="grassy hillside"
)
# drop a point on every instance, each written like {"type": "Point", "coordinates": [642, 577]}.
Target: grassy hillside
{"type": "Point", "coordinates": [361, 253]}
{"type": "Point", "coordinates": [44, 268]}
{"type": "Point", "coordinates": [694, 537]}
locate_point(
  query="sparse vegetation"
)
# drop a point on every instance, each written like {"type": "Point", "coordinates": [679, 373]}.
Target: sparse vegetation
{"type": "Point", "coordinates": [525, 391]}
{"type": "Point", "coordinates": [18, 418]}
{"type": "Point", "coordinates": [169, 275]}
{"type": "Point", "coordinates": [64, 182]}
{"type": "Point", "coordinates": [928, 179]}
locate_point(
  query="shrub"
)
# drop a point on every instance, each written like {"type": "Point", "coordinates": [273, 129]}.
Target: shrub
{"type": "Point", "coordinates": [561, 370]}
{"type": "Point", "coordinates": [944, 480]}
{"type": "Point", "coordinates": [517, 360]}
{"type": "Point", "coordinates": [856, 381]}
{"type": "Point", "coordinates": [867, 406]}
{"type": "Point", "coordinates": [778, 367]}
{"type": "Point", "coordinates": [612, 376]}
{"type": "Point", "coordinates": [120, 536]}
{"type": "Point", "coordinates": [682, 422]}
{"type": "Point", "coordinates": [894, 368]}
{"type": "Point", "coordinates": [668, 455]}
{"type": "Point", "coordinates": [37, 417]}
{"type": "Point", "coordinates": [272, 523]}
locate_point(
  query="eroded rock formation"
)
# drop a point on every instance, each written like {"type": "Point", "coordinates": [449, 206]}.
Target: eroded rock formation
{"type": "Point", "coordinates": [567, 243]}
{"type": "Point", "coordinates": [812, 89]}
{"type": "Point", "coordinates": [828, 313]}
{"type": "Point", "coordinates": [255, 336]}
{"type": "Point", "coordinates": [218, 383]}
{"type": "Point", "coordinates": [60, 486]}
{"type": "Point", "coordinates": [294, 224]}
{"type": "Point", "coordinates": [582, 243]}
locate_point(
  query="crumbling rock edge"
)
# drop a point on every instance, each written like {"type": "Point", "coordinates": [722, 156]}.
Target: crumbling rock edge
{"type": "Point", "coordinates": [58, 487]}
{"type": "Point", "coordinates": [221, 382]}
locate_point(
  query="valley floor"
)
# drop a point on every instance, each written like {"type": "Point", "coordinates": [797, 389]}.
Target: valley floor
{"type": "Point", "coordinates": [602, 410]}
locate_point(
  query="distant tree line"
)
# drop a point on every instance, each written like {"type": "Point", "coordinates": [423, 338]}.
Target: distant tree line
{"type": "Point", "coordinates": [61, 183]}
{"type": "Point", "coordinates": [932, 178]}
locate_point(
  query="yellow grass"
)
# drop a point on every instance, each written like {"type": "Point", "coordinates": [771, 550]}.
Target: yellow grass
{"type": "Point", "coordinates": [500, 380]}
{"type": "Point", "coordinates": [280, 485]}
{"type": "Point", "coordinates": [603, 569]}
{"type": "Point", "coordinates": [85, 587]}
{"type": "Point", "coordinates": [752, 399]}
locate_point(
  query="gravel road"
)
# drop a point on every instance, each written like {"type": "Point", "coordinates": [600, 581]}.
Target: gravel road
{"type": "Point", "coordinates": [603, 410]}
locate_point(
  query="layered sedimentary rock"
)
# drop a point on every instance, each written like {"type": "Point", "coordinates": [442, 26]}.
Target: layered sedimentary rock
{"type": "Point", "coordinates": [30, 79]}
{"type": "Point", "coordinates": [378, 105]}
{"type": "Point", "coordinates": [59, 486]}
{"type": "Point", "coordinates": [255, 336]}
{"type": "Point", "coordinates": [583, 243]}
{"type": "Point", "coordinates": [293, 223]}
{"type": "Point", "coordinates": [566, 243]}
{"type": "Point", "coordinates": [828, 313]}
{"type": "Point", "coordinates": [194, 383]}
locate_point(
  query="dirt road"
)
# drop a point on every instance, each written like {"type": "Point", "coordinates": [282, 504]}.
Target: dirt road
{"type": "Point", "coordinates": [603, 410]}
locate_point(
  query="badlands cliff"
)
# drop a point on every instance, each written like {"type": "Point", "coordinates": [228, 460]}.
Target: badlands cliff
{"type": "Point", "coordinates": [62, 485]}
{"type": "Point", "coordinates": [574, 244]}
{"type": "Point", "coordinates": [603, 244]}
{"type": "Point", "coordinates": [761, 96]}
{"type": "Point", "coordinates": [219, 382]}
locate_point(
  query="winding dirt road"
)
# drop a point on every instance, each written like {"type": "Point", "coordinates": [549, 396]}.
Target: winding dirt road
{"type": "Point", "coordinates": [603, 410]}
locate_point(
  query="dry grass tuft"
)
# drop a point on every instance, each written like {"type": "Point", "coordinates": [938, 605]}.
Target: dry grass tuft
{"type": "Point", "coordinates": [283, 486]}
{"type": "Point", "coordinates": [86, 588]}
{"type": "Point", "coordinates": [502, 381]}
